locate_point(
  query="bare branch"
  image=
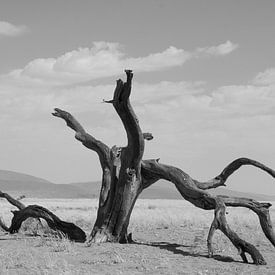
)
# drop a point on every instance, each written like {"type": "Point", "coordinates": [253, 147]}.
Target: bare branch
{"type": "Point", "coordinates": [230, 169]}
{"type": "Point", "coordinates": [12, 200]}
{"type": "Point", "coordinates": [242, 246]}
{"type": "Point", "coordinates": [121, 103]}
{"type": "Point", "coordinates": [87, 140]}
{"type": "Point", "coordinates": [260, 208]}
{"type": "Point", "coordinates": [71, 122]}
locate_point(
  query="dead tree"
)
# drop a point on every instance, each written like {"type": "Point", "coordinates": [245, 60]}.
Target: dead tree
{"type": "Point", "coordinates": [125, 175]}
{"type": "Point", "coordinates": [70, 230]}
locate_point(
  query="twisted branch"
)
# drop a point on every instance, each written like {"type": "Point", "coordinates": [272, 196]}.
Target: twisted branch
{"type": "Point", "coordinates": [152, 171]}
{"type": "Point", "coordinates": [230, 169]}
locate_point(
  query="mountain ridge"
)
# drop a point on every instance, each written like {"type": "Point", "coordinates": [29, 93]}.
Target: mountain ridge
{"type": "Point", "coordinates": [16, 184]}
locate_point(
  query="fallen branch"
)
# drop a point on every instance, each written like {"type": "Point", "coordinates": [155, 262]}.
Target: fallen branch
{"type": "Point", "coordinates": [70, 230]}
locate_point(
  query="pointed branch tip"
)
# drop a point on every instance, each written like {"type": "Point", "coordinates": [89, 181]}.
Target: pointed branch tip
{"type": "Point", "coordinates": [108, 101]}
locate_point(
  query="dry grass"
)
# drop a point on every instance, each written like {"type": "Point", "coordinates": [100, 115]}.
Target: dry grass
{"type": "Point", "coordinates": [175, 222]}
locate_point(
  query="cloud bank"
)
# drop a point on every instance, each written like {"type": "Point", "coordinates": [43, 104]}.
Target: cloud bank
{"type": "Point", "coordinates": [189, 121]}
{"type": "Point", "coordinates": [106, 59]}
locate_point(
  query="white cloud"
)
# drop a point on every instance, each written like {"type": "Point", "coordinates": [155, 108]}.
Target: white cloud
{"type": "Point", "coordinates": [265, 78]}
{"type": "Point", "coordinates": [104, 60]}
{"type": "Point", "coordinates": [220, 50]}
{"type": "Point", "coordinates": [8, 29]}
{"type": "Point", "coordinates": [245, 99]}
{"type": "Point", "coordinates": [165, 106]}
{"type": "Point", "coordinates": [171, 57]}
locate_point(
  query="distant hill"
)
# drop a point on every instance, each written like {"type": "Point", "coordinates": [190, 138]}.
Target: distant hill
{"type": "Point", "coordinates": [17, 184]}
{"type": "Point", "coordinates": [233, 193]}
{"type": "Point", "coordinates": [165, 190]}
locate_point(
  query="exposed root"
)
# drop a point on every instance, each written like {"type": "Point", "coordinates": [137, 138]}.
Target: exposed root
{"type": "Point", "coordinates": [100, 236]}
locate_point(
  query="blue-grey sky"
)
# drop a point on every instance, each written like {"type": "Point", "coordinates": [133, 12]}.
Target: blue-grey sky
{"type": "Point", "coordinates": [204, 84]}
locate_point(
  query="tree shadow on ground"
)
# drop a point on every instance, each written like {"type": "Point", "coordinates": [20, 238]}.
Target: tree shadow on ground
{"type": "Point", "coordinates": [175, 248]}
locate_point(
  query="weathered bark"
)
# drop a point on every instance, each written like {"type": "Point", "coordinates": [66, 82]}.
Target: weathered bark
{"type": "Point", "coordinates": [125, 175]}
{"type": "Point", "coordinates": [70, 230]}
{"type": "Point", "coordinates": [121, 166]}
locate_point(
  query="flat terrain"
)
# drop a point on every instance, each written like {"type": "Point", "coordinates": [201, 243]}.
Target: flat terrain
{"type": "Point", "coordinates": [170, 238]}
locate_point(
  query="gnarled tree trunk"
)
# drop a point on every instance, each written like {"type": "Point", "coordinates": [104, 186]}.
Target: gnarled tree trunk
{"type": "Point", "coordinates": [125, 175]}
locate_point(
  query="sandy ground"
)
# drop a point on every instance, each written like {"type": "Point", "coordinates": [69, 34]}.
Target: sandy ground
{"type": "Point", "coordinates": [168, 241]}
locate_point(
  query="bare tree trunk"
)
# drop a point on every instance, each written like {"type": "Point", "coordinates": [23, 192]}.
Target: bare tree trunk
{"type": "Point", "coordinates": [121, 166]}
{"type": "Point", "coordinates": [125, 175]}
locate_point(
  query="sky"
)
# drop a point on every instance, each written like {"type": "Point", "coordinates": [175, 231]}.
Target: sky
{"type": "Point", "coordinates": [204, 84]}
